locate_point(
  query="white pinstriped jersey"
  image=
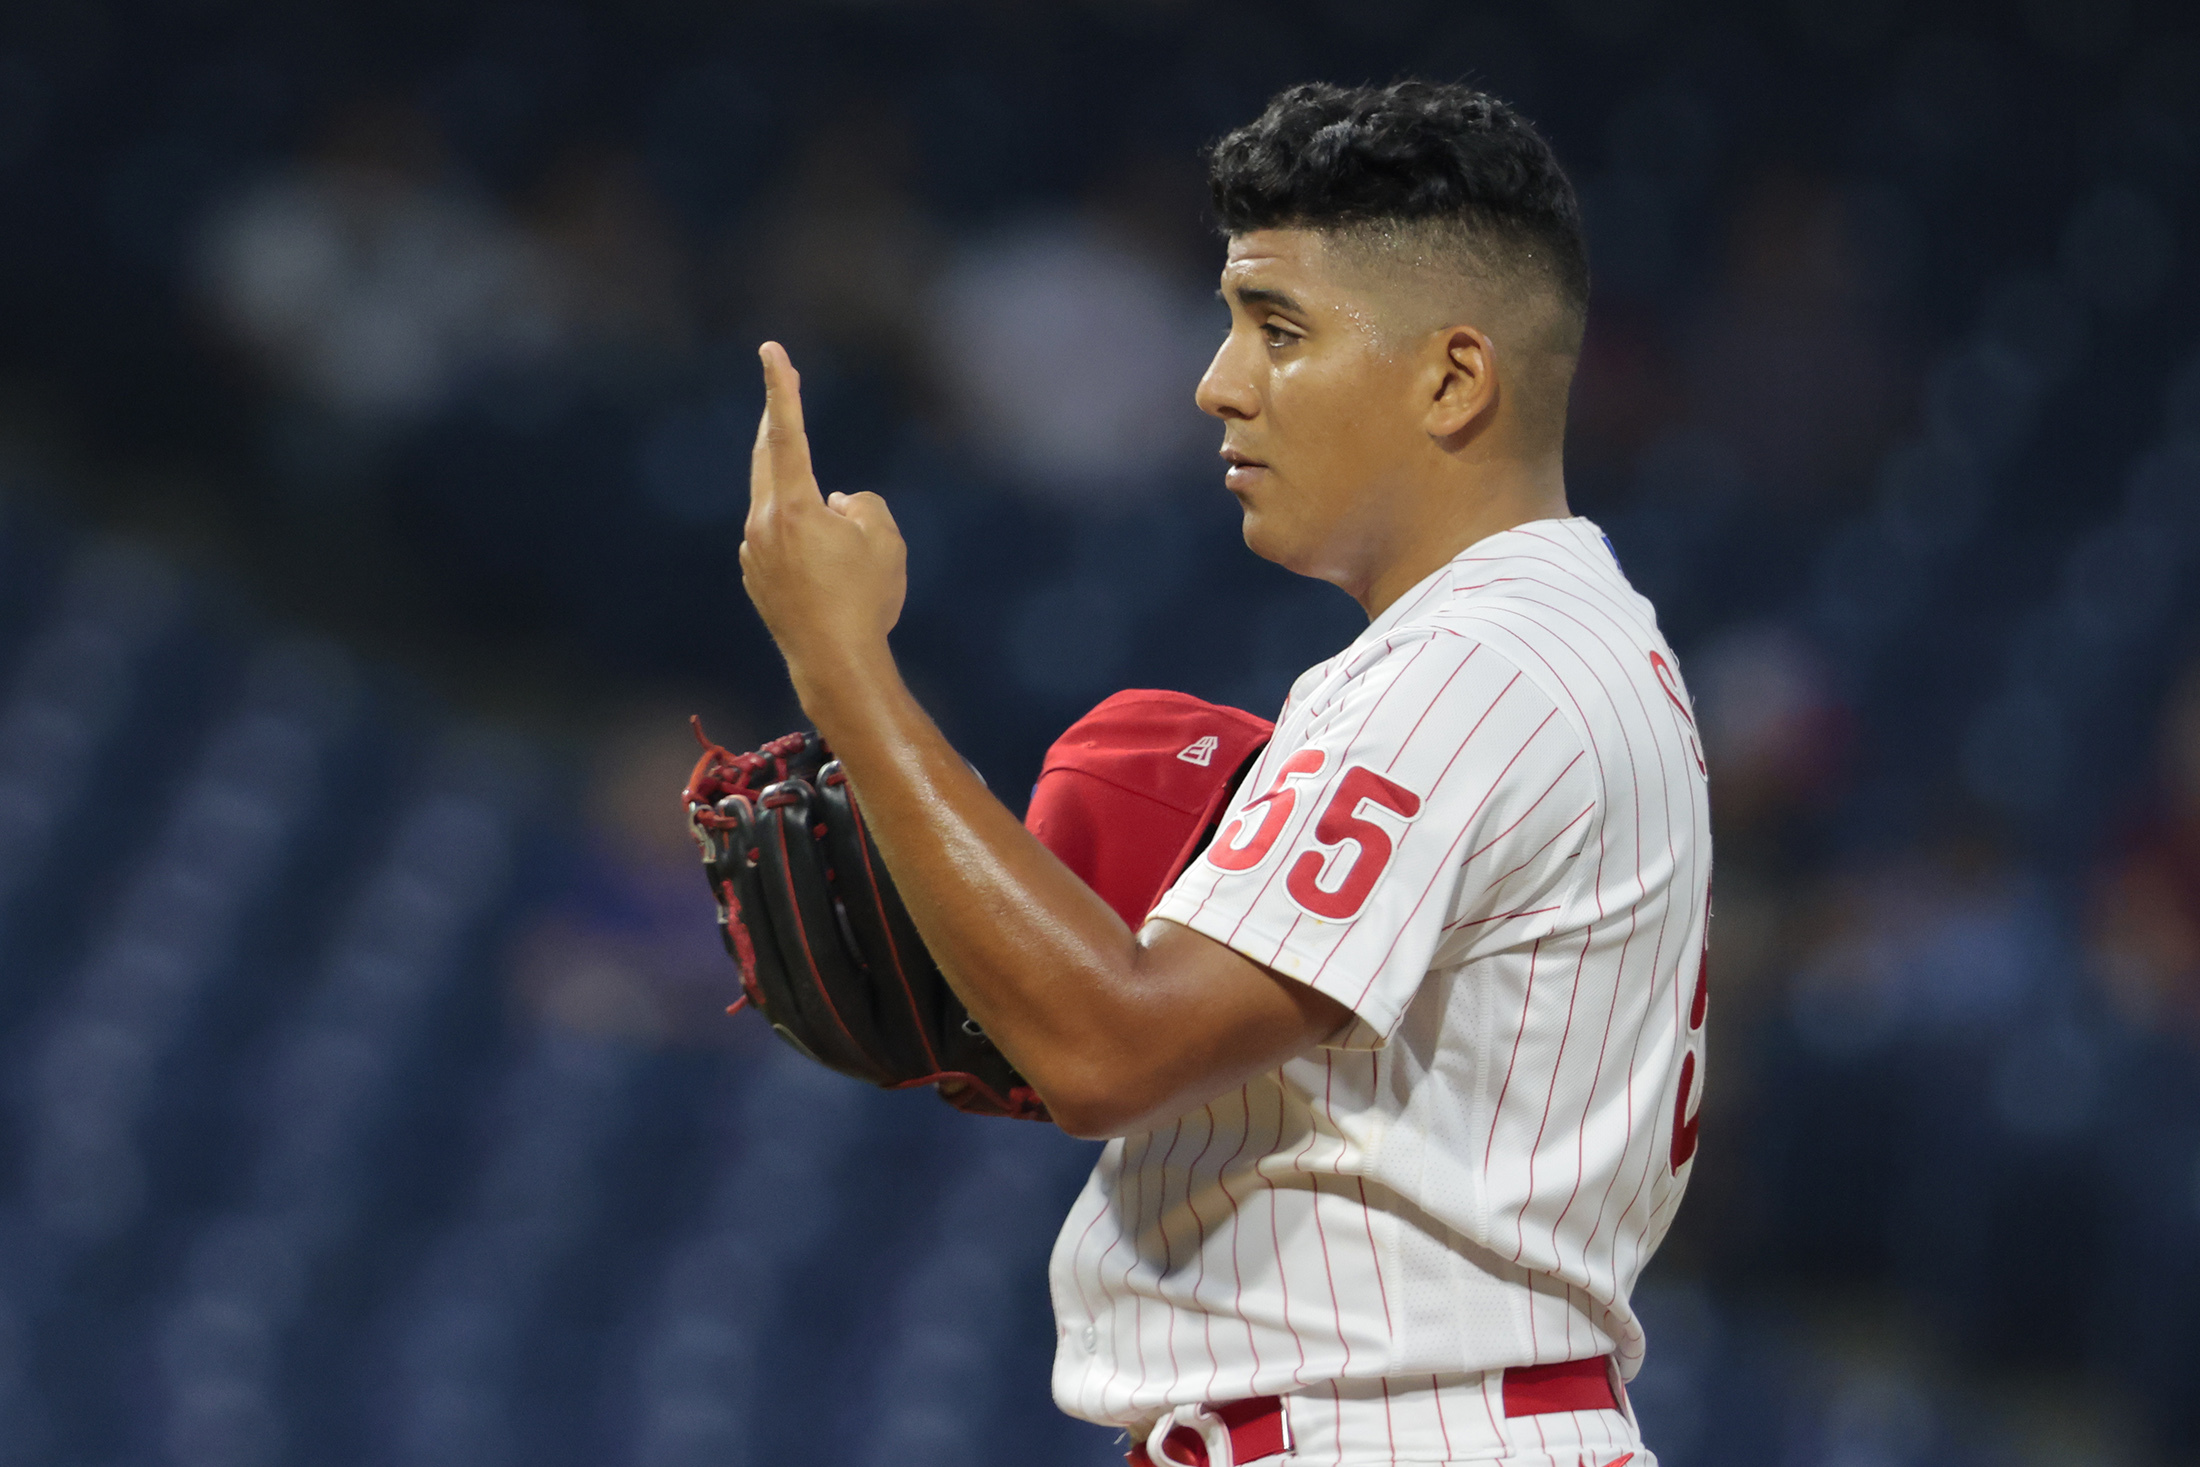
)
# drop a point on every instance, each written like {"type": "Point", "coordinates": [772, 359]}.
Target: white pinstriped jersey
{"type": "Point", "coordinates": [1482, 828]}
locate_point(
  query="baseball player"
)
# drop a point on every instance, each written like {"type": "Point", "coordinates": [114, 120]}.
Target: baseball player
{"type": "Point", "coordinates": [1400, 1077]}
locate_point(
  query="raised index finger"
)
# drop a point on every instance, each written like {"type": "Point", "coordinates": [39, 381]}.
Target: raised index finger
{"type": "Point", "coordinates": [780, 468]}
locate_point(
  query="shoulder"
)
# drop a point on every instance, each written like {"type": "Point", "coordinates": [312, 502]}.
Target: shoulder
{"type": "Point", "coordinates": [1544, 576]}
{"type": "Point", "coordinates": [1550, 600]}
{"type": "Point", "coordinates": [1544, 604]}
{"type": "Point", "coordinates": [1550, 575]}
{"type": "Point", "coordinates": [1408, 663]}
{"type": "Point", "coordinates": [1437, 704]}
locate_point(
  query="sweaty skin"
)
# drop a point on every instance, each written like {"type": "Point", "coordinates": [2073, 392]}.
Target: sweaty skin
{"type": "Point", "coordinates": [1362, 462]}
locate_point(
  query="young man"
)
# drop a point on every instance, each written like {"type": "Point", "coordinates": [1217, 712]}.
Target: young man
{"type": "Point", "coordinates": [1401, 1074]}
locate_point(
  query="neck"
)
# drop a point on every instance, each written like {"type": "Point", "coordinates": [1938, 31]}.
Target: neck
{"type": "Point", "coordinates": [1499, 497]}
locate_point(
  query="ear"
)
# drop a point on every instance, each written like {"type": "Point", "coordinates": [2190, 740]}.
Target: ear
{"type": "Point", "coordinates": [1465, 386]}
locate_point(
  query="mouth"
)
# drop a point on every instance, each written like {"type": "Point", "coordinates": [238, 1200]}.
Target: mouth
{"type": "Point", "coordinates": [1244, 470]}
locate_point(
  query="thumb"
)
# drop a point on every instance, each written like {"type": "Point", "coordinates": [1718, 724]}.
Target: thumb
{"type": "Point", "coordinates": [868, 510]}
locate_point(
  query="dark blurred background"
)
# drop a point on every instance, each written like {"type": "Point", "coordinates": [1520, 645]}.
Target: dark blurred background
{"type": "Point", "coordinates": [375, 391]}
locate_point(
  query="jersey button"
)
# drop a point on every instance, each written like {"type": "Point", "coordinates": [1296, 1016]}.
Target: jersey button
{"type": "Point", "coordinates": [1092, 1339]}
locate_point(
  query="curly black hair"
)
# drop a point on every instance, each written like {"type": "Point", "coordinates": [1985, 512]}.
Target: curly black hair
{"type": "Point", "coordinates": [1411, 153]}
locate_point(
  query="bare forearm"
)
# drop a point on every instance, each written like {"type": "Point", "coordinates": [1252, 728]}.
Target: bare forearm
{"type": "Point", "coordinates": [1117, 1032]}
{"type": "Point", "coordinates": [1044, 965]}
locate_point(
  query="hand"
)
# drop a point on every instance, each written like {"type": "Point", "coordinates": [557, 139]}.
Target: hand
{"type": "Point", "coordinates": [828, 575]}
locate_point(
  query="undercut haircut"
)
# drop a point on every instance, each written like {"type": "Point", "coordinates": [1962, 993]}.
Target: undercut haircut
{"type": "Point", "coordinates": [1425, 163]}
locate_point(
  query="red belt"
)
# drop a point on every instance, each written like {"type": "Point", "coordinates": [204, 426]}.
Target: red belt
{"type": "Point", "coordinates": [1256, 1425]}
{"type": "Point", "coordinates": [1570, 1385]}
{"type": "Point", "coordinates": [1256, 1431]}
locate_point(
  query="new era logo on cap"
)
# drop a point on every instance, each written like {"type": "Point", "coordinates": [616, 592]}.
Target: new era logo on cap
{"type": "Point", "coordinates": [1200, 751]}
{"type": "Point", "coordinates": [1129, 793]}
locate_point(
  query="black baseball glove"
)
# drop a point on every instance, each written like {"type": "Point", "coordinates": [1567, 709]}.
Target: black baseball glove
{"type": "Point", "coordinates": [826, 949]}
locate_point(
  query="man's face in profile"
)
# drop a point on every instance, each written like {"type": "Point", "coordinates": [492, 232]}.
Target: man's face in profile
{"type": "Point", "coordinates": [1319, 413]}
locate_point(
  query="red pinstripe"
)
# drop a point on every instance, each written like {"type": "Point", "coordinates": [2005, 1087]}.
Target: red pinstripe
{"type": "Point", "coordinates": [1075, 1269]}
{"type": "Point", "coordinates": [1284, 941]}
{"type": "Point", "coordinates": [1168, 1251]}
{"type": "Point", "coordinates": [1335, 773]}
{"type": "Point", "coordinates": [1275, 1235]}
{"type": "Point", "coordinates": [1539, 799]}
{"type": "Point", "coordinates": [1367, 1217]}
{"type": "Point", "coordinates": [1649, 1163]}
{"type": "Point", "coordinates": [1434, 699]}
{"type": "Point", "coordinates": [1465, 922]}
{"type": "Point", "coordinates": [1642, 1237]}
{"type": "Point", "coordinates": [1597, 890]}
{"type": "Point", "coordinates": [1520, 1029]}
{"type": "Point", "coordinates": [1321, 1234]}
{"type": "Point", "coordinates": [1502, 877]}
{"type": "Point", "coordinates": [1635, 786]}
{"type": "Point", "coordinates": [1590, 591]}
{"type": "Point", "coordinates": [1665, 792]}
{"type": "Point", "coordinates": [1440, 581]}
{"type": "Point", "coordinates": [1590, 1097]}
{"type": "Point", "coordinates": [1642, 1180]}
{"type": "Point", "coordinates": [1568, 629]}
{"type": "Point", "coordinates": [1581, 1129]}
{"type": "Point", "coordinates": [1237, 1272]}
{"type": "Point", "coordinates": [1565, 1035]}
{"type": "Point", "coordinates": [1374, 1254]}
{"type": "Point", "coordinates": [1257, 778]}
{"type": "Point", "coordinates": [1642, 889]}
{"type": "Point", "coordinates": [1199, 1225]}
{"type": "Point", "coordinates": [1138, 1301]}
{"type": "Point", "coordinates": [1443, 869]}
{"type": "Point", "coordinates": [1588, 734]}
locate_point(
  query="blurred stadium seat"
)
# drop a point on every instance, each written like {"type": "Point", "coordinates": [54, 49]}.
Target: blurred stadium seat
{"type": "Point", "coordinates": [373, 400]}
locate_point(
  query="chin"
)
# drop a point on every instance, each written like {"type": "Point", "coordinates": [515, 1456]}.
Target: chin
{"type": "Point", "coordinates": [1253, 528]}
{"type": "Point", "coordinates": [1272, 542]}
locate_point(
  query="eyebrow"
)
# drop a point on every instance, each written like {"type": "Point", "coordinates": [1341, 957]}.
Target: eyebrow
{"type": "Point", "coordinates": [1262, 296]}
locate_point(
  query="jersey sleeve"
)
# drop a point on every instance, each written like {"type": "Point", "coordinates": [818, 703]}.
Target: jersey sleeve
{"type": "Point", "coordinates": [1428, 810]}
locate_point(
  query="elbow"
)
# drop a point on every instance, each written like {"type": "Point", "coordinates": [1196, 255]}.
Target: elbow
{"type": "Point", "coordinates": [1100, 1125]}
{"type": "Point", "coordinates": [1087, 1122]}
{"type": "Point", "coordinates": [1097, 1107]}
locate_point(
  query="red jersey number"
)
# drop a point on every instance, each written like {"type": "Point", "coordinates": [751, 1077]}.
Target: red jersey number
{"type": "Point", "coordinates": [1342, 822]}
{"type": "Point", "coordinates": [1686, 1126]}
{"type": "Point", "coordinates": [1233, 849]}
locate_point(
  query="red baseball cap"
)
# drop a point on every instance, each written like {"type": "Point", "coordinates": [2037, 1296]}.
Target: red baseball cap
{"type": "Point", "coordinates": [1131, 792]}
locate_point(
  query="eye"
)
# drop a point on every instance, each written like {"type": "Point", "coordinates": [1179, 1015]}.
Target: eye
{"type": "Point", "coordinates": [1276, 335]}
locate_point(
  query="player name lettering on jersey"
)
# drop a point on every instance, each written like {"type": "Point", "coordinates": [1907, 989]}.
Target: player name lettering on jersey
{"type": "Point", "coordinates": [1481, 828]}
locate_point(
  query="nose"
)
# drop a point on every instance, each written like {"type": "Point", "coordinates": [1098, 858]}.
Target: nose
{"type": "Point", "coordinates": [1225, 391]}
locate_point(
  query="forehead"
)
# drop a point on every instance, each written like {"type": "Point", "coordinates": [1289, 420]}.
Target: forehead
{"type": "Point", "coordinates": [1300, 261]}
